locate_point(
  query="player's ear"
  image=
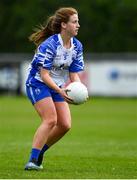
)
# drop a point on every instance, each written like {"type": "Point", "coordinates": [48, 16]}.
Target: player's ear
{"type": "Point", "coordinates": [63, 25]}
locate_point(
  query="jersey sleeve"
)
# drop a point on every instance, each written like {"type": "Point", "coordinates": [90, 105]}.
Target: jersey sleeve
{"type": "Point", "coordinates": [45, 55]}
{"type": "Point", "coordinates": [78, 62]}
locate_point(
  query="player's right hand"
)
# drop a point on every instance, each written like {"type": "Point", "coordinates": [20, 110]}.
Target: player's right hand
{"type": "Point", "coordinates": [63, 93]}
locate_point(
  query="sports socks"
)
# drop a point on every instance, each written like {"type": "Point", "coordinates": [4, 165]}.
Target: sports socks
{"type": "Point", "coordinates": [37, 154]}
{"type": "Point", "coordinates": [45, 148]}
{"type": "Point", "coordinates": [40, 158]}
{"type": "Point", "coordinates": [34, 155]}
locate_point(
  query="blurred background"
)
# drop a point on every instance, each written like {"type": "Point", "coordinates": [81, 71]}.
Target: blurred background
{"type": "Point", "coordinates": [103, 140]}
{"type": "Point", "coordinates": [108, 32]}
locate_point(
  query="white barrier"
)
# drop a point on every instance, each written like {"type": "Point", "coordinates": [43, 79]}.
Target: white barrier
{"type": "Point", "coordinates": [113, 78]}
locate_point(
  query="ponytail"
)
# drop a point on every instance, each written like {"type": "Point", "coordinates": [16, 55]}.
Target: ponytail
{"type": "Point", "coordinates": [42, 32]}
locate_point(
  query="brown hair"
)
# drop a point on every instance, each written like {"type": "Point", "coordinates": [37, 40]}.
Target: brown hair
{"type": "Point", "coordinates": [53, 25]}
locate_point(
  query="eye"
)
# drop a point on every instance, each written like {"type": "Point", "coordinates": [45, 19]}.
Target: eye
{"type": "Point", "coordinates": [76, 21]}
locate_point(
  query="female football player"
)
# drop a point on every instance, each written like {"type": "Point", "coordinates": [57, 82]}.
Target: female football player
{"type": "Point", "coordinates": [58, 56]}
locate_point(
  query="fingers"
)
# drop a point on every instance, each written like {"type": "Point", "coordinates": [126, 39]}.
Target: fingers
{"type": "Point", "coordinates": [68, 100]}
{"type": "Point", "coordinates": [67, 90]}
{"type": "Point", "coordinates": [66, 97]}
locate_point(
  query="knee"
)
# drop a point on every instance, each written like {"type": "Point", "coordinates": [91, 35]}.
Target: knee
{"type": "Point", "coordinates": [50, 121]}
{"type": "Point", "coordinates": [66, 127]}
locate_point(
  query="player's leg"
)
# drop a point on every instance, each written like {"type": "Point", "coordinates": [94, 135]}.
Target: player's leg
{"type": "Point", "coordinates": [47, 111]}
{"type": "Point", "coordinates": [62, 126]}
{"type": "Point", "coordinates": [63, 119]}
{"type": "Point", "coordinates": [63, 123]}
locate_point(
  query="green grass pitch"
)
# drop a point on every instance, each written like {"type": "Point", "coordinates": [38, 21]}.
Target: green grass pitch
{"type": "Point", "coordinates": [101, 144]}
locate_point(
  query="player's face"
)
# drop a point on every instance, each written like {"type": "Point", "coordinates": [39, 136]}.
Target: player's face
{"type": "Point", "coordinates": [72, 26]}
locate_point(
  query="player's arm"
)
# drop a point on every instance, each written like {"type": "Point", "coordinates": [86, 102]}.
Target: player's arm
{"type": "Point", "coordinates": [74, 76]}
{"type": "Point", "coordinates": [46, 55]}
{"type": "Point", "coordinates": [49, 82]}
{"type": "Point", "coordinates": [77, 65]}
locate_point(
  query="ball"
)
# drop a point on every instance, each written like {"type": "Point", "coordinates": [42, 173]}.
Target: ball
{"type": "Point", "coordinates": [78, 92]}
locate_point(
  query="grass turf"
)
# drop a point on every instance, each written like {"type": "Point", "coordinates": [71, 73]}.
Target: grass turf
{"type": "Point", "coordinates": [101, 144]}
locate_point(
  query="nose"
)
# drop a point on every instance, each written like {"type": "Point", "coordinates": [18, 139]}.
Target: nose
{"type": "Point", "coordinates": [78, 25]}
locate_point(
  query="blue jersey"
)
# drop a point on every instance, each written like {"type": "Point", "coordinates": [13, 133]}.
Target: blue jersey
{"type": "Point", "coordinates": [53, 56]}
